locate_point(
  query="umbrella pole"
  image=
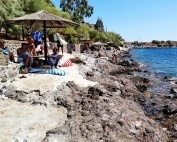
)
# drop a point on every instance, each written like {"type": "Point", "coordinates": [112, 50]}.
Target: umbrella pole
{"type": "Point", "coordinates": [23, 35]}
{"type": "Point", "coordinates": [45, 43]}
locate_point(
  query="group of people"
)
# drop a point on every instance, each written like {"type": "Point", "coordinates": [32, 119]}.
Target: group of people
{"type": "Point", "coordinates": [29, 51]}
{"type": "Point", "coordinates": [35, 46]}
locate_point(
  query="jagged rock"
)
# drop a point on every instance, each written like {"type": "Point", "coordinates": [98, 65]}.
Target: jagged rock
{"type": "Point", "coordinates": [174, 135]}
{"type": "Point", "coordinates": [142, 88]}
{"type": "Point", "coordinates": [175, 127]}
{"type": "Point", "coordinates": [4, 79]}
{"type": "Point", "coordinates": [135, 132]}
{"type": "Point", "coordinates": [126, 63]}
{"type": "Point", "coordinates": [117, 93]}
{"type": "Point", "coordinates": [149, 130]}
{"type": "Point", "coordinates": [90, 74]}
{"type": "Point", "coordinates": [174, 90]}
{"type": "Point", "coordinates": [10, 91]}
{"type": "Point", "coordinates": [73, 86]}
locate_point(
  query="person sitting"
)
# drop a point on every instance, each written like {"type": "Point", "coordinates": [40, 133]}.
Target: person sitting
{"type": "Point", "coordinates": [39, 48]}
{"type": "Point", "coordinates": [6, 51]}
{"type": "Point", "coordinates": [31, 43]}
{"type": "Point", "coordinates": [25, 55]}
{"type": "Point", "coordinates": [54, 58]}
{"type": "Point", "coordinates": [114, 56]}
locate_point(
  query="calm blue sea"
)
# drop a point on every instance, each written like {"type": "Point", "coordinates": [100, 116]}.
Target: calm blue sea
{"type": "Point", "coordinates": [161, 61]}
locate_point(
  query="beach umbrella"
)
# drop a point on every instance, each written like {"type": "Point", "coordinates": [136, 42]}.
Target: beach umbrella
{"type": "Point", "coordinates": [44, 19]}
{"type": "Point", "coordinates": [99, 44]}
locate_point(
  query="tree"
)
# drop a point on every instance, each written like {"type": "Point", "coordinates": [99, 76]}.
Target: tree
{"type": "Point", "coordinates": [79, 9]}
{"type": "Point", "coordinates": [169, 43]}
{"type": "Point", "coordinates": [83, 31]}
{"type": "Point", "coordinates": [14, 8]}
{"type": "Point", "coordinates": [99, 25]}
{"type": "Point", "coordinates": [155, 42]}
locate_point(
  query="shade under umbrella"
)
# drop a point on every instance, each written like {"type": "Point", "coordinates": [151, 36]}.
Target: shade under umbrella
{"type": "Point", "coordinates": [45, 19]}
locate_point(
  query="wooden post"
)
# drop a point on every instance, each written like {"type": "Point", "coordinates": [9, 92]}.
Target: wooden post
{"type": "Point", "coordinates": [23, 35]}
{"type": "Point", "coordinates": [45, 42]}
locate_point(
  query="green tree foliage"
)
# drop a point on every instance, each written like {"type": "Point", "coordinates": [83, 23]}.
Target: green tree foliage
{"type": "Point", "coordinates": [14, 8]}
{"type": "Point", "coordinates": [70, 34]}
{"type": "Point", "coordinates": [99, 25]}
{"type": "Point", "coordinates": [106, 37]}
{"type": "Point", "coordinates": [155, 42]}
{"type": "Point", "coordinates": [8, 10]}
{"type": "Point", "coordinates": [83, 31]}
{"type": "Point", "coordinates": [79, 9]}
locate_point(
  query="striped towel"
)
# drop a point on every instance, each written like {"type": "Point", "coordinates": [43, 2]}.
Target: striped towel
{"type": "Point", "coordinates": [35, 70]}
{"type": "Point", "coordinates": [56, 72]}
{"type": "Point", "coordinates": [67, 63]}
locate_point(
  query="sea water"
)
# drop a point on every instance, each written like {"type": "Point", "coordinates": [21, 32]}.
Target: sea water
{"type": "Point", "coordinates": [162, 61]}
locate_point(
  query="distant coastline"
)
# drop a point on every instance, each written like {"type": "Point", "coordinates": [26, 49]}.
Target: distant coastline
{"type": "Point", "coordinates": [152, 47]}
{"type": "Point", "coordinates": [152, 44]}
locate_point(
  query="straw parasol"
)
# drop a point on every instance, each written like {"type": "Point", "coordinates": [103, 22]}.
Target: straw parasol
{"type": "Point", "coordinates": [45, 19]}
{"type": "Point", "coordinates": [99, 44]}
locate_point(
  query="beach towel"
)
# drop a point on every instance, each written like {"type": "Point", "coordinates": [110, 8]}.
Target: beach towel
{"type": "Point", "coordinates": [58, 39]}
{"type": "Point", "coordinates": [65, 62]}
{"type": "Point", "coordinates": [35, 70]}
{"type": "Point", "coordinates": [56, 72]}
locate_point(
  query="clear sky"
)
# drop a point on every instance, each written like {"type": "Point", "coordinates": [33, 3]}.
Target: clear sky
{"type": "Point", "coordinates": [137, 19]}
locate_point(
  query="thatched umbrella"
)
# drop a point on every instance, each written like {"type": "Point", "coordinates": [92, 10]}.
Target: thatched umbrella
{"type": "Point", "coordinates": [99, 44]}
{"type": "Point", "coordinates": [45, 19]}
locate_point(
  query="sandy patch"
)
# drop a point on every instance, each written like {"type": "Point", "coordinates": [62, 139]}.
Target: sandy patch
{"type": "Point", "coordinates": [26, 122]}
{"type": "Point", "coordinates": [46, 82]}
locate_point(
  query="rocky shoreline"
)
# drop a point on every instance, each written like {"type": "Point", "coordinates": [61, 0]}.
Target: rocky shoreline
{"type": "Point", "coordinates": [118, 109]}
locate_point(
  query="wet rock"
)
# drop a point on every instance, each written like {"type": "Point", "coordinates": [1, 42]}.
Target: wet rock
{"type": "Point", "coordinates": [166, 77]}
{"type": "Point", "coordinates": [126, 63]}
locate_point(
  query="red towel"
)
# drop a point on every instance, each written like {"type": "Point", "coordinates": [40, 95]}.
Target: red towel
{"type": "Point", "coordinates": [67, 63]}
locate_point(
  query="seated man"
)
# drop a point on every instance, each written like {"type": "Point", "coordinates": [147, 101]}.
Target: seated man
{"type": "Point", "coordinates": [54, 58]}
{"type": "Point", "coordinates": [7, 52]}
{"type": "Point", "coordinates": [25, 55]}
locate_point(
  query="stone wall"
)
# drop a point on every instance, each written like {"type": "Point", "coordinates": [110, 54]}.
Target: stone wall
{"type": "Point", "coordinates": [13, 45]}
{"type": "Point", "coordinates": [3, 59]}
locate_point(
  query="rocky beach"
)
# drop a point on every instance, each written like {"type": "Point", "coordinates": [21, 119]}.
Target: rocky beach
{"type": "Point", "coordinates": [101, 101]}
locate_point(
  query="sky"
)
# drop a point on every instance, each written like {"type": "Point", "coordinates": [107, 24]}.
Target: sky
{"type": "Point", "coordinates": [141, 20]}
